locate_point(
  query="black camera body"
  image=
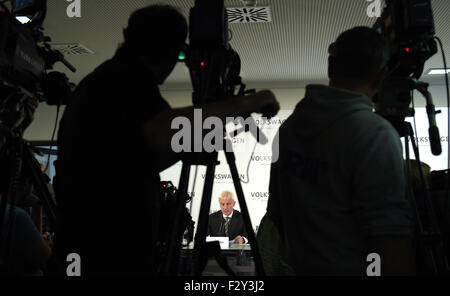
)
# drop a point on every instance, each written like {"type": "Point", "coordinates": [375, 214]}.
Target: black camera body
{"type": "Point", "coordinates": [408, 25]}
{"type": "Point", "coordinates": [214, 65]}
{"type": "Point", "coordinates": [20, 60]}
{"type": "Point", "coordinates": [25, 56]}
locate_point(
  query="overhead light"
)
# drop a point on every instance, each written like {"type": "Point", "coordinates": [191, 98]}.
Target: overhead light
{"type": "Point", "coordinates": [23, 19]}
{"type": "Point", "coordinates": [438, 71]}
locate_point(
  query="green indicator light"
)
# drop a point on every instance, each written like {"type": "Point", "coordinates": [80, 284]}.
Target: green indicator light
{"type": "Point", "coordinates": [181, 56]}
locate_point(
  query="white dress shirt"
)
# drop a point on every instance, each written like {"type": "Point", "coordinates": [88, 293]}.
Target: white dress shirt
{"type": "Point", "coordinates": [229, 216]}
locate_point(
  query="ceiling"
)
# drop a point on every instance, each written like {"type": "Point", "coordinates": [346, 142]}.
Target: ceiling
{"type": "Point", "coordinates": [289, 52]}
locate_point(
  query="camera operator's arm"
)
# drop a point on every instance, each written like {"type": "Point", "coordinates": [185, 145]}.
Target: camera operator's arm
{"type": "Point", "coordinates": [158, 133]}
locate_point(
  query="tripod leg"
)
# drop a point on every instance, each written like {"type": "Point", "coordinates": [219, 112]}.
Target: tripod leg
{"type": "Point", "coordinates": [410, 191]}
{"type": "Point", "coordinates": [172, 263]}
{"type": "Point", "coordinates": [438, 259]}
{"type": "Point", "coordinates": [200, 252]}
{"type": "Point", "coordinates": [247, 222]}
{"type": "Point", "coordinates": [412, 198]}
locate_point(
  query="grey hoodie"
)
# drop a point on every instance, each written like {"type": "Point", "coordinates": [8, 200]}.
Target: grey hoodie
{"type": "Point", "coordinates": [338, 180]}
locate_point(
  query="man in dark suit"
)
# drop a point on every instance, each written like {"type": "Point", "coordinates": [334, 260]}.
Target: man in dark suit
{"type": "Point", "coordinates": [227, 221]}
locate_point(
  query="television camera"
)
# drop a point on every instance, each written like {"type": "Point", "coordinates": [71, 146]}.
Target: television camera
{"type": "Point", "coordinates": [25, 58]}
{"type": "Point", "coordinates": [408, 26]}
{"type": "Point", "coordinates": [214, 68]}
{"type": "Point", "coordinates": [167, 212]}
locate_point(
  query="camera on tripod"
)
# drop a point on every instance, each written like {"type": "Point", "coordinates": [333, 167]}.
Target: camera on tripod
{"type": "Point", "coordinates": [25, 58]}
{"type": "Point", "coordinates": [213, 64]}
{"type": "Point", "coordinates": [408, 26]}
{"type": "Point", "coordinates": [215, 73]}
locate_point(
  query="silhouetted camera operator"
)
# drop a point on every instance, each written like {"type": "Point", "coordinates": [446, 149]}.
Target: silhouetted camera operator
{"type": "Point", "coordinates": [115, 138]}
{"type": "Point", "coordinates": [337, 192]}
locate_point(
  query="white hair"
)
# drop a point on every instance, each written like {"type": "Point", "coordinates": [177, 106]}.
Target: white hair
{"type": "Point", "coordinates": [226, 193]}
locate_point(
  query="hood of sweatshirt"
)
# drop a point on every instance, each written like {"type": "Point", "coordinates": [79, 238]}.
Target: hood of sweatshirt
{"type": "Point", "coordinates": [323, 106]}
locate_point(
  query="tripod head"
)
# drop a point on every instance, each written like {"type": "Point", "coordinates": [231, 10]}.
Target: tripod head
{"type": "Point", "coordinates": [393, 104]}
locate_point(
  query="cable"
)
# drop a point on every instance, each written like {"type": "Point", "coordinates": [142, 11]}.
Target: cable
{"type": "Point", "coordinates": [448, 99]}
{"type": "Point", "coordinates": [53, 137]}
{"type": "Point", "coordinates": [416, 132]}
{"type": "Point", "coordinates": [193, 188]}
{"type": "Point", "coordinates": [248, 165]}
{"type": "Point", "coordinates": [250, 160]}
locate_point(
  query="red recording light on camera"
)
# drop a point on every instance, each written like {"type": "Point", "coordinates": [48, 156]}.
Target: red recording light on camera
{"type": "Point", "coordinates": [202, 63]}
{"type": "Point", "coordinates": [408, 49]}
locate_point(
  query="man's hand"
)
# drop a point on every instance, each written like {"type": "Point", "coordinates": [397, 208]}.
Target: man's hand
{"type": "Point", "coordinates": [48, 239]}
{"type": "Point", "coordinates": [239, 240]}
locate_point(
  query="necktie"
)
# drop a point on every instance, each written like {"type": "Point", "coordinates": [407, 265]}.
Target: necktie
{"type": "Point", "coordinates": [227, 222]}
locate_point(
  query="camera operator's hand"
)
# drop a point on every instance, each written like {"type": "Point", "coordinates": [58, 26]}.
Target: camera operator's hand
{"type": "Point", "coordinates": [47, 237]}
{"type": "Point", "coordinates": [264, 102]}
